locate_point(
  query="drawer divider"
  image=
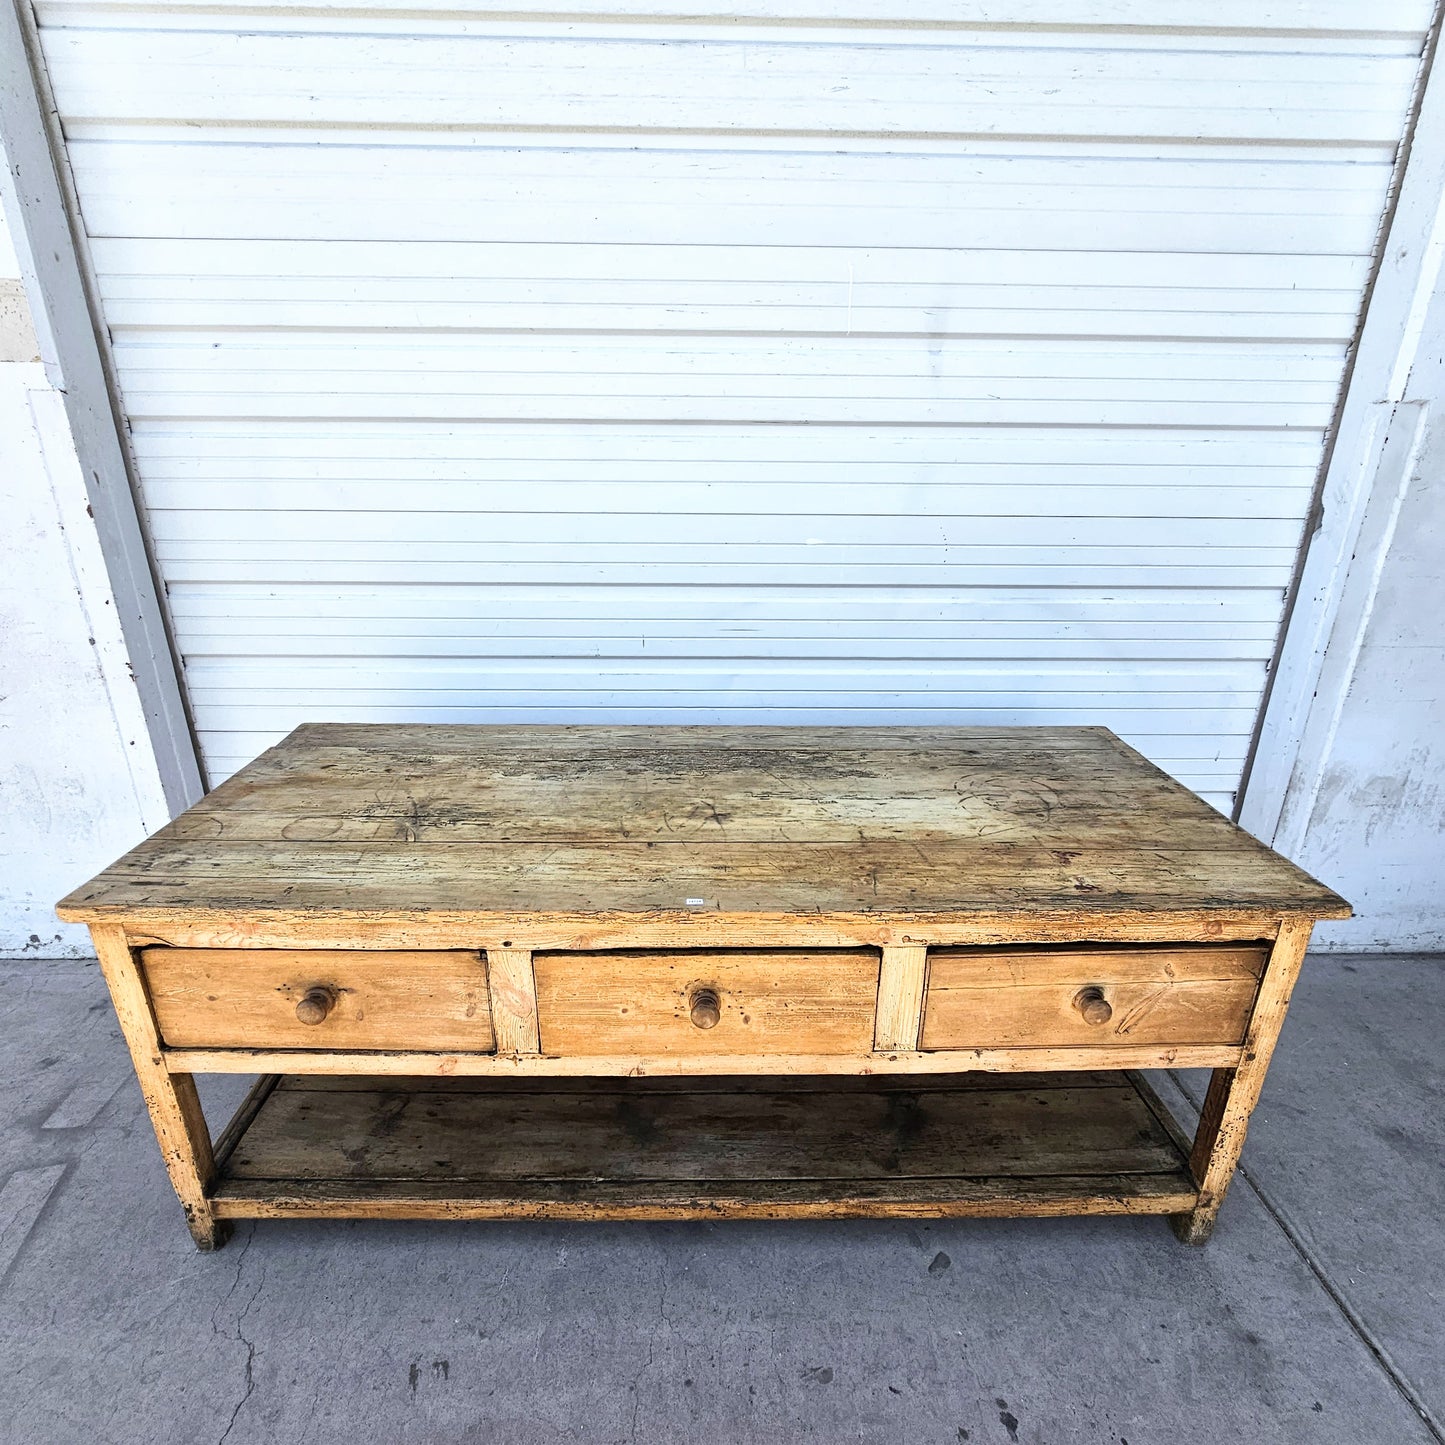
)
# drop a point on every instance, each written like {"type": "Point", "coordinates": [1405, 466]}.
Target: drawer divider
{"type": "Point", "coordinates": [512, 987]}
{"type": "Point", "coordinates": [901, 978]}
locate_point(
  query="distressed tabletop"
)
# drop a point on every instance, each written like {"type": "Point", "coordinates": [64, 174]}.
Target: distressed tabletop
{"type": "Point", "coordinates": [421, 821]}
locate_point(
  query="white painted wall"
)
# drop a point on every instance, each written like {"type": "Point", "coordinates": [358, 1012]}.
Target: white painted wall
{"type": "Point", "coordinates": [1376, 825]}
{"type": "Point", "coordinates": [78, 780]}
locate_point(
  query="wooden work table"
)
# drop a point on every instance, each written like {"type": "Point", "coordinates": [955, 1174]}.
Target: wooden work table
{"type": "Point", "coordinates": [673, 972]}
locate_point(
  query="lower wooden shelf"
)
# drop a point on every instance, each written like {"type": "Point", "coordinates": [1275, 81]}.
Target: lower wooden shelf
{"type": "Point", "coordinates": [958, 1145]}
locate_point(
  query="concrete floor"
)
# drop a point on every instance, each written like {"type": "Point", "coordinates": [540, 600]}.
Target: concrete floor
{"type": "Point", "coordinates": [1317, 1314]}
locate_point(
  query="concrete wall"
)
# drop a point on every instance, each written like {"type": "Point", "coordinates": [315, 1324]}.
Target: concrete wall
{"type": "Point", "coordinates": [1377, 828]}
{"type": "Point", "coordinates": [78, 781]}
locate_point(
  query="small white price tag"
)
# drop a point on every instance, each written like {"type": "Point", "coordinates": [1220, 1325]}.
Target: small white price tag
{"type": "Point", "coordinates": [694, 902]}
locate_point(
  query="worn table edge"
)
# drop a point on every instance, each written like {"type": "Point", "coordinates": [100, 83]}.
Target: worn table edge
{"type": "Point", "coordinates": [136, 918]}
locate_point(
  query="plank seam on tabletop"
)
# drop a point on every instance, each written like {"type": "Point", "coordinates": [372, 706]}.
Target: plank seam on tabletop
{"type": "Point", "coordinates": [1348, 1312]}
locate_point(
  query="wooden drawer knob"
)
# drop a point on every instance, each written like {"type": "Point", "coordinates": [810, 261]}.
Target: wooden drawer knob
{"type": "Point", "coordinates": [704, 1007]}
{"type": "Point", "coordinates": [1091, 1002]}
{"type": "Point", "coordinates": [317, 1003]}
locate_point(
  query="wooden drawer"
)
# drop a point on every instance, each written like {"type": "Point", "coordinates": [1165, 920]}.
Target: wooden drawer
{"type": "Point", "coordinates": [734, 1001]}
{"type": "Point", "coordinates": [1059, 997]}
{"type": "Point", "coordinates": [249, 998]}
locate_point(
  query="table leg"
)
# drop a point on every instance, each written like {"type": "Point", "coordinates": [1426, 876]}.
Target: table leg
{"type": "Point", "coordinates": [175, 1107]}
{"type": "Point", "coordinates": [1233, 1093]}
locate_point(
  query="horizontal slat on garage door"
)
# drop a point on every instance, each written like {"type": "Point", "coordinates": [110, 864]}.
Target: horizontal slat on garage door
{"type": "Point", "coordinates": [845, 362]}
{"type": "Point", "coordinates": [999, 196]}
{"type": "Point", "coordinates": [952, 85]}
{"type": "Point", "coordinates": [1260, 19]}
{"type": "Point", "coordinates": [159, 286]}
{"type": "Point", "coordinates": [839, 379]}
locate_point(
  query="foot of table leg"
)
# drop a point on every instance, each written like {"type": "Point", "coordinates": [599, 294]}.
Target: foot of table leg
{"type": "Point", "coordinates": [175, 1110]}
{"type": "Point", "coordinates": [1217, 1145]}
{"type": "Point", "coordinates": [1195, 1227]}
{"type": "Point", "coordinates": [209, 1233]}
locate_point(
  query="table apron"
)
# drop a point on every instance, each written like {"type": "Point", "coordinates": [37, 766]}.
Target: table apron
{"type": "Point", "coordinates": [941, 1061]}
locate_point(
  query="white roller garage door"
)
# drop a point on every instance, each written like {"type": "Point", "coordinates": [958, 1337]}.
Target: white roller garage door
{"type": "Point", "coordinates": [835, 363]}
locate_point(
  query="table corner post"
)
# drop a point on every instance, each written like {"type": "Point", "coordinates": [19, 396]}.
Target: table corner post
{"type": "Point", "coordinates": [171, 1098]}
{"type": "Point", "coordinates": [1233, 1092]}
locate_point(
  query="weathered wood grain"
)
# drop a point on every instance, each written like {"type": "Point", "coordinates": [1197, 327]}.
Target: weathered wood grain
{"type": "Point", "coordinates": [247, 998]}
{"type": "Point", "coordinates": [900, 997]}
{"type": "Point", "coordinates": [878, 881]}
{"type": "Point", "coordinates": [583, 1201]}
{"type": "Point", "coordinates": [867, 824]}
{"type": "Point", "coordinates": [269, 927]}
{"type": "Point", "coordinates": [1161, 1111]}
{"type": "Point", "coordinates": [543, 1066]}
{"type": "Point", "coordinates": [1118, 963]}
{"type": "Point", "coordinates": [1233, 1092]}
{"type": "Point", "coordinates": [1175, 1014]}
{"type": "Point", "coordinates": [241, 1120]}
{"type": "Point", "coordinates": [170, 1095]}
{"type": "Point", "coordinates": [707, 794]}
{"type": "Point", "coordinates": [514, 1000]}
{"type": "Point", "coordinates": [1000, 998]}
{"type": "Point", "coordinates": [833, 1085]}
{"type": "Point", "coordinates": [629, 1149]}
{"type": "Point", "coordinates": [630, 1132]}
{"type": "Point", "coordinates": [796, 1002]}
